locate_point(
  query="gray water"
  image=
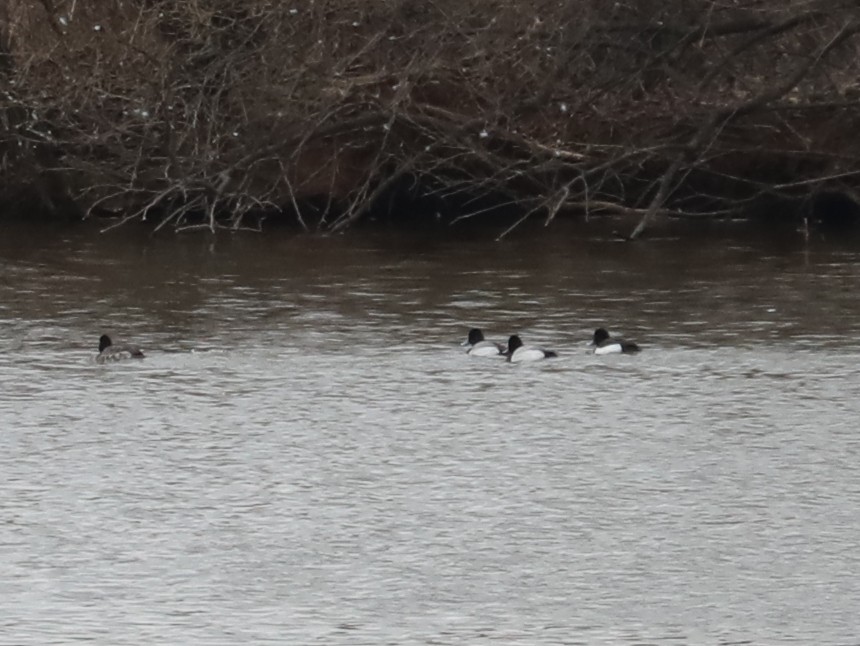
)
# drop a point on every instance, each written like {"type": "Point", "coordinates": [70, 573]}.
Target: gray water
{"type": "Point", "coordinates": [307, 456]}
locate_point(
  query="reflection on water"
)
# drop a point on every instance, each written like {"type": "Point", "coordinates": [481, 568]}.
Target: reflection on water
{"type": "Point", "coordinates": [307, 455]}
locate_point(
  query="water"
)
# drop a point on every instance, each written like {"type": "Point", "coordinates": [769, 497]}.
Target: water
{"type": "Point", "coordinates": [307, 456]}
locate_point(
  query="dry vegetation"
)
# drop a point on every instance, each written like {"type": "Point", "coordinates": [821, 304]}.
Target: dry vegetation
{"type": "Point", "coordinates": [212, 113]}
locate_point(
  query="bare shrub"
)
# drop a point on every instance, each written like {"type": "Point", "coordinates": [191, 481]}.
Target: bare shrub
{"type": "Point", "coordinates": [199, 113]}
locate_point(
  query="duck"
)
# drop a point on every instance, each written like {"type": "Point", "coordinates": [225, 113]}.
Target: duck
{"type": "Point", "coordinates": [479, 347]}
{"type": "Point", "coordinates": [110, 352]}
{"type": "Point", "coordinates": [605, 344]}
{"type": "Point", "coordinates": [518, 352]}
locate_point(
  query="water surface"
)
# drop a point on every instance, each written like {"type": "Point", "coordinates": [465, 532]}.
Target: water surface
{"type": "Point", "coordinates": [307, 456]}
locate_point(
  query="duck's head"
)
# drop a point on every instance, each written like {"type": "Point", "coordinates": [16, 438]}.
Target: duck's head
{"type": "Point", "coordinates": [600, 335]}
{"type": "Point", "coordinates": [475, 337]}
{"type": "Point", "coordinates": [514, 342]}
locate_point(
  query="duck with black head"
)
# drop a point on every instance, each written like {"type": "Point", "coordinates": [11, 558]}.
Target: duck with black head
{"type": "Point", "coordinates": [480, 347]}
{"type": "Point", "coordinates": [517, 352]}
{"type": "Point", "coordinates": [110, 352]}
{"type": "Point", "coordinates": [605, 344]}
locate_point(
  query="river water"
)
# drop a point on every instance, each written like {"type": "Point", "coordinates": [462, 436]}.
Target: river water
{"type": "Point", "coordinates": [306, 455]}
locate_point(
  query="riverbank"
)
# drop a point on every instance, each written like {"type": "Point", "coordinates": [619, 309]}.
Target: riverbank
{"type": "Point", "coordinates": [328, 115]}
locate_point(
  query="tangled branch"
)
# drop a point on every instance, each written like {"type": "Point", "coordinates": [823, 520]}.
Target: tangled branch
{"type": "Point", "coordinates": [216, 114]}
